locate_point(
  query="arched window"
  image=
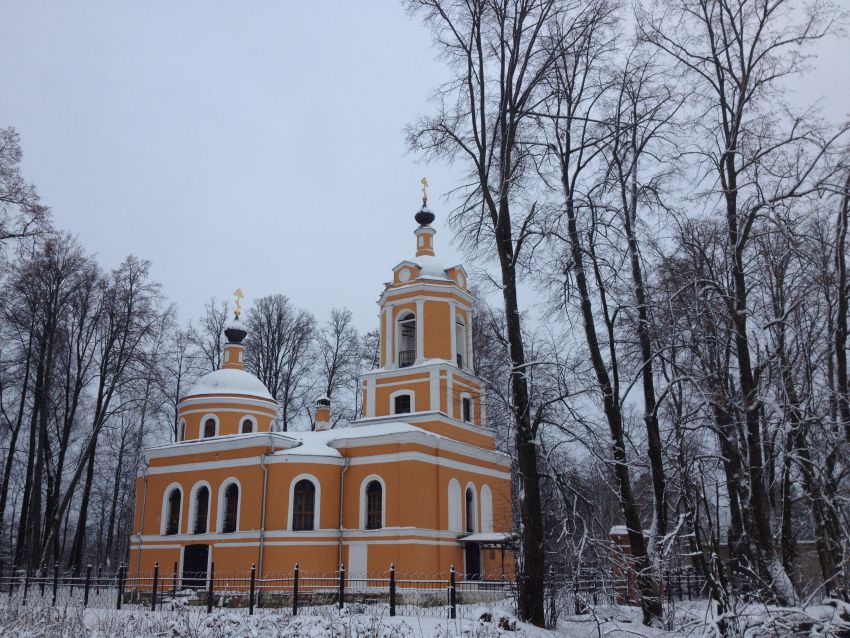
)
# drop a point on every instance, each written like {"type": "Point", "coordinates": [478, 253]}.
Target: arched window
{"type": "Point", "coordinates": [374, 505]}
{"type": "Point", "coordinates": [486, 509]}
{"type": "Point", "coordinates": [460, 341]}
{"type": "Point", "coordinates": [181, 430]}
{"type": "Point", "coordinates": [247, 425]}
{"type": "Point", "coordinates": [230, 513]}
{"type": "Point", "coordinates": [401, 404]}
{"type": "Point", "coordinates": [172, 525]}
{"type": "Point", "coordinates": [406, 340]}
{"type": "Point", "coordinates": [303, 505]}
{"type": "Point", "coordinates": [209, 427]}
{"type": "Point", "coordinates": [202, 509]}
{"type": "Point", "coordinates": [454, 506]}
{"type": "Point", "coordinates": [471, 510]}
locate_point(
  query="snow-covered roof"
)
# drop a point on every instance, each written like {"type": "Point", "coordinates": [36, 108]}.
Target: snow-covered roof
{"type": "Point", "coordinates": [430, 267]}
{"type": "Point", "coordinates": [230, 381]}
{"type": "Point", "coordinates": [321, 443]}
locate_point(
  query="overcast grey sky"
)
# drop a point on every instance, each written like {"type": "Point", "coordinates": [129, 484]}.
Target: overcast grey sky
{"type": "Point", "coordinates": [242, 144]}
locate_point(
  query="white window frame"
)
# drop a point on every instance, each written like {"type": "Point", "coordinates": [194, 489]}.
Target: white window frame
{"type": "Point", "coordinates": [220, 505]}
{"type": "Point", "coordinates": [399, 393]}
{"type": "Point", "coordinates": [476, 523]}
{"type": "Point", "coordinates": [248, 417]}
{"type": "Point", "coordinates": [363, 501]}
{"type": "Point", "coordinates": [462, 396]}
{"type": "Point", "coordinates": [455, 521]}
{"type": "Point", "coordinates": [163, 519]}
{"type": "Point", "coordinates": [403, 315]}
{"type": "Point", "coordinates": [193, 494]}
{"type": "Point", "coordinates": [486, 509]}
{"type": "Point", "coordinates": [317, 502]}
{"type": "Point", "coordinates": [202, 424]}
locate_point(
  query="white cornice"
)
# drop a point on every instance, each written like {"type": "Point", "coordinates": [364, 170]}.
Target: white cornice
{"type": "Point", "coordinates": [226, 398]}
{"type": "Point", "coordinates": [274, 440]}
{"type": "Point", "coordinates": [420, 286]}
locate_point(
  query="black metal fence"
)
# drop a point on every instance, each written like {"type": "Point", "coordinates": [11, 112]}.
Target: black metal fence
{"type": "Point", "coordinates": [296, 593]}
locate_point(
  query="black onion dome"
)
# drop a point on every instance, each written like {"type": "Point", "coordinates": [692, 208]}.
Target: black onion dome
{"type": "Point", "coordinates": [424, 216]}
{"type": "Point", "coordinates": [235, 331]}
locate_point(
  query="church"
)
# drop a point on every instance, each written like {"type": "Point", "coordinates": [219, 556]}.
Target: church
{"type": "Point", "coordinates": [416, 480]}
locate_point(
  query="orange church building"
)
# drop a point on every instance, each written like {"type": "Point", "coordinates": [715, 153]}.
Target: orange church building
{"type": "Point", "coordinates": [415, 481]}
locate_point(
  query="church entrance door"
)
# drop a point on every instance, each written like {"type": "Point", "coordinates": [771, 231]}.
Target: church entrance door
{"type": "Point", "coordinates": [195, 561]}
{"type": "Point", "coordinates": [473, 561]}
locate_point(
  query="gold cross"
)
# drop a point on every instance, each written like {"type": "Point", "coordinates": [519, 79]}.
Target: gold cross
{"type": "Point", "coordinates": [424, 183]}
{"type": "Point", "coordinates": [238, 294]}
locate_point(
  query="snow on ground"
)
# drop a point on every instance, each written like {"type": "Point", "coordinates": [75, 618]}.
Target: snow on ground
{"type": "Point", "coordinates": [828, 620]}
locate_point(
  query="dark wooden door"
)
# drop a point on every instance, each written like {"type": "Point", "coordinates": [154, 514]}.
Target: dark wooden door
{"type": "Point", "coordinates": [473, 561]}
{"type": "Point", "coordinates": [195, 559]}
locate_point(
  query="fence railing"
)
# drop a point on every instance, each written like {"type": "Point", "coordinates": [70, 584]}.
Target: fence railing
{"type": "Point", "coordinates": [295, 592]}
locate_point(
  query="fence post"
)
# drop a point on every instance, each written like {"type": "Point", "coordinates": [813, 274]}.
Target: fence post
{"type": "Point", "coordinates": [121, 575]}
{"type": "Point", "coordinates": [11, 578]}
{"type": "Point", "coordinates": [155, 583]}
{"type": "Point", "coordinates": [210, 588]}
{"type": "Point", "coordinates": [174, 581]}
{"type": "Point", "coordinates": [88, 584]}
{"type": "Point", "coordinates": [55, 581]}
{"type": "Point", "coordinates": [26, 585]}
{"type": "Point", "coordinates": [452, 594]}
{"type": "Point", "coordinates": [392, 589]}
{"type": "Point", "coordinates": [251, 592]}
{"type": "Point", "coordinates": [341, 585]}
{"type": "Point", "coordinates": [669, 589]}
{"type": "Point", "coordinates": [97, 581]}
{"type": "Point", "coordinates": [690, 591]}
{"type": "Point", "coordinates": [295, 592]}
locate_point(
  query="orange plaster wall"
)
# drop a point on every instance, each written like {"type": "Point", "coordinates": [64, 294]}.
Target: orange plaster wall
{"type": "Point", "coordinates": [438, 329]}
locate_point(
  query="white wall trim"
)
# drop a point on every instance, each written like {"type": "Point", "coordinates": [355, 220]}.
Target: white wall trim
{"type": "Point", "coordinates": [203, 423]}
{"type": "Point", "coordinates": [363, 484]}
{"type": "Point", "coordinates": [190, 523]}
{"type": "Point", "coordinates": [163, 519]}
{"type": "Point", "coordinates": [317, 502]}
{"type": "Point", "coordinates": [476, 524]}
{"type": "Point", "coordinates": [254, 424]}
{"type": "Point", "coordinates": [220, 505]}
{"type": "Point", "coordinates": [401, 393]}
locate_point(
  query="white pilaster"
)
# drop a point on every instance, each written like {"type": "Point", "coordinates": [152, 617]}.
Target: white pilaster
{"type": "Point", "coordinates": [450, 396]}
{"type": "Point", "coordinates": [453, 332]}
{"type": "Point", "coordinates": [435, 389]}
{"type": "Point", "coordinates": [370, 396]}
{"type": "Point", "coordinates": [420, 330]}
{"type": "Point", "coordinates": [388, 340]}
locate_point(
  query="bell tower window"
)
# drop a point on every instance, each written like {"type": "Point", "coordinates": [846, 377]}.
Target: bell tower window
{"type": "Point", "coordinates": [209, 428]}
{"type": "Point", "coordinates": [401, 404]}
{"type": "Point", "coordinates": [406, 340]}
{"type": "Point", "coordinates": [460, 342]}
{"type": "Point", "coordinates": [466, 409]}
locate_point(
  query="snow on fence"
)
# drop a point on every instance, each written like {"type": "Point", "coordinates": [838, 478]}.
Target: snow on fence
{"type": "Point", "coordinates": [294, 593]}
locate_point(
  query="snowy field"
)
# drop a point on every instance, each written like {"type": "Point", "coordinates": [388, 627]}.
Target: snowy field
{"type": "Point", "coordinates": [44, 621]}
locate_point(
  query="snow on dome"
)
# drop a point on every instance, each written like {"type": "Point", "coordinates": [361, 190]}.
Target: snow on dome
{"type": "Point", "coordinates": [430, 267]}
{"type": "Point", "coordinates": [236, 324]}
{"type": "Point", "coordinates": [230, 381]}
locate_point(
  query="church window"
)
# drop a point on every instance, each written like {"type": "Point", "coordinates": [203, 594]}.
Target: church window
{"type": "Point", "coordinates": [406, 340]}
{"type": "Point", "coordinates": [202, 506]}
{"type": "Point", "coordinates": [374, 505]}
{"type": "Point", "coordinates": [231, 508]}
{"type": "Point", "coordinates": [304, 505]}
{"type": "Point", "coordinates": [460, 341]}
{"type": "Point", "coordinates": [209, 428]}
{"type": "Point", "coordinates": [466, 409]}
{"type": "Point", "coordinates": [247, 426]}
{"type": "Point", "coordinates": [470, 509]}
{"type": "Point", "coordinates": [401, 404]}
{"type": "Point", "coordinates": [173, 524]}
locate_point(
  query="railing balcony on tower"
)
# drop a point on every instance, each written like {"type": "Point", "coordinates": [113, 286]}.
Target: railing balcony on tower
{"type": "Point", "coordinates": [406, 358]}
